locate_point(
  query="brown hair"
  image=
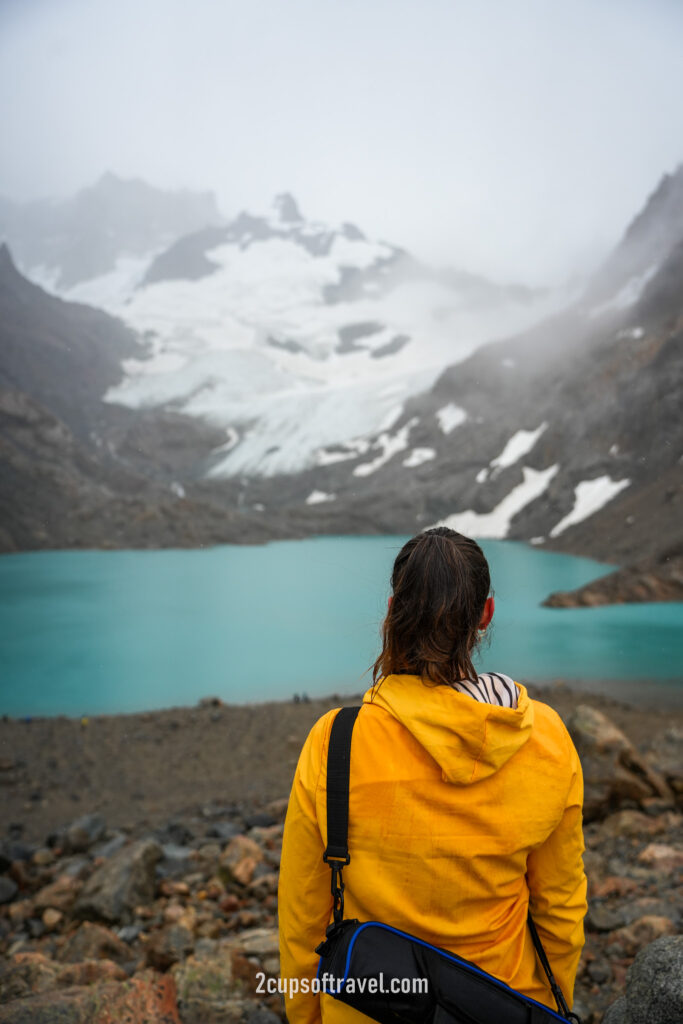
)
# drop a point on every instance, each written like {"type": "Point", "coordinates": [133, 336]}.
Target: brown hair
{"type": "Point", "coordinates": [440, 583]}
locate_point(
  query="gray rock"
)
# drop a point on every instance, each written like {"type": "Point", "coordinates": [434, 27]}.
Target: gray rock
{"type": "Point", "coordinates": [85, 831]}
{"type": "Point", "coordinates": [260, 1015]}
{"type": "Point", "coordinates": [617, 1013]}
{"type": "Point", "coordinates": [615, 774]}
{"type": "Point", "coordinates": [14, 849]}
{"type": "Point", "coordinates": [129, 932]}
{"type": "Point", "coordinates": [654, 983]}
{"type": "Point", "coordinates": [175, 862]}
{"type": "Point", "coordinates": [604, 919]}
{"type": "Point", "coordinates": [108, 847]}
{"type": "Point", "coordinates": [224, 830]}
{"type": "Point", "coordinates": [124, 882]}
{"type": "Point", "coordinates": [8, 889]}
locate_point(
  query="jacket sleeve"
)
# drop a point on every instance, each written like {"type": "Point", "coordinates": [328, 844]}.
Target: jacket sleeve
{"type": "Point", "coordinates": [557, 885]}
{"type": "Point", "coordinates": [304, 896]}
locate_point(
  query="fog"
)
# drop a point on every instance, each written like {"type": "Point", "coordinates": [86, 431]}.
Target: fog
{"type": "Point", "coordinates": [514, 139]}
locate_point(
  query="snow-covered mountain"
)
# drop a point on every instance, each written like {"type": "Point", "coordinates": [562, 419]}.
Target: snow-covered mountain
{"type": "Point", "coordinates": [569, 433]}
{"type": "Point", "coordinates": [294, 337]}
{"type": "Point", "coordinates": [289, 378]}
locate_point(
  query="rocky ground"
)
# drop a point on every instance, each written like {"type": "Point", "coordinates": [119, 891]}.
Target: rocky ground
{"type": "Point", "coordinates": [161, 906]}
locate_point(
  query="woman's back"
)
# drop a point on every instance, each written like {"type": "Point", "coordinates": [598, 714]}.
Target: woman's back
{"type": "Point", "coordinates": [451, 803]}
{"type": "Point", "coordinates": [463, 814]}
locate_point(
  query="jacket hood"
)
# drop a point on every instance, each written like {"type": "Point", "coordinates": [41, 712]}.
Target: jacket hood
{"type": "Point", "coordinates": [469, 740]}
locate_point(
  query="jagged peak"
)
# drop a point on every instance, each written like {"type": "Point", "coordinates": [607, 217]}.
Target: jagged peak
{"type": "Point", "coordinates": [286, 208]}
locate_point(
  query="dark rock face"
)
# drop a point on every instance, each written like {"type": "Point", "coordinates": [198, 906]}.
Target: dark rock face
{"type": "Point", "coordinates": [654, 986]}
{"type": "Point", "coordinates": [186, 259]}
{"type": "Point", "coordinates": [61, 355]}
{"type": "Point", "coordinates": [659, 579]}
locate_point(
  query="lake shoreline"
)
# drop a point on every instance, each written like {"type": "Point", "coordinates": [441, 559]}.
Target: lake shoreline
{"type": "Point", "coordinates": [143, 768]}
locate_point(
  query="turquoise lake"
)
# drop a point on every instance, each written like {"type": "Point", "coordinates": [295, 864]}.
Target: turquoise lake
{"type": "Point", "coordinates": [90, 632]}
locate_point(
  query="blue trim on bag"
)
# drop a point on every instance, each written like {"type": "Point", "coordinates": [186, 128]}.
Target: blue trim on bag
{"type": "Point", "coordinates": [446, 956]}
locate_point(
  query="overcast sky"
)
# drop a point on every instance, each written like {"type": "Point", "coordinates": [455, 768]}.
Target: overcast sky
{"type": "Point", "coordinates": [511, 138]}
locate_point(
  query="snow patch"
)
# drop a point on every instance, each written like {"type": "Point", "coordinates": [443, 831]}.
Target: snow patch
{"type": "Point", "coordinates": [390, 445]}
{"type": "Point", "coordinates": [627, 295]}
{"type": "Point", "coordinates": [519, 445]}
{"type": "Point", "coordinates": [178, 489]}
{"type": "Point", "coordinates": [482, 475]}
{"type": "Point", "coordinates": [450, 416]}
{"type": "Point", "coordinates": [230, 442]}
{"type": "Point", "coordinates": [496, 524]}
{"type": "Point", "coordinates": [589, 497]}
{"type": "Point", "coordinates": [391, 417]}
{"type": "Point", "coordinates": [418, 456]}
{"type": "Point", "coordinates": [348, 450]}
{"type": "Point", "coordinates": [631, 332]}
{"type": "Point", "coordinates": [318, 497]}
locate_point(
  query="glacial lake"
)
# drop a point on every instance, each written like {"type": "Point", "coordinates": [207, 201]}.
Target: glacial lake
{"type": "Point", "coordinates": [92, 632]}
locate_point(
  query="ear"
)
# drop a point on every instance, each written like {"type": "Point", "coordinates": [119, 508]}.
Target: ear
{"type": "Point", "coordinates": [487, 614]}
{"type": "Point", "coordinates": [391, 598]}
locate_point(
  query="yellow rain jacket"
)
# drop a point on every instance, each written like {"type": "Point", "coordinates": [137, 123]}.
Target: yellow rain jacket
{"type": "Point", "coordinates": [461, 816]}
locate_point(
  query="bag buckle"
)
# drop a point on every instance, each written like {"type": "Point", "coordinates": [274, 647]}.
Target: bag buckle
{"type": "Point", "coordinates": [337, 884]}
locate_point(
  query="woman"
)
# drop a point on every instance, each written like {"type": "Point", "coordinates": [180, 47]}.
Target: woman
{"type": "Point", "coordinates": [465, 799]}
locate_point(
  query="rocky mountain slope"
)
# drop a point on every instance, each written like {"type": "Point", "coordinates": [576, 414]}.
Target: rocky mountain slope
{"type": "Point", "coordinates": [64, 242]}
{"type": "Point", "coordinates": [71, 473]}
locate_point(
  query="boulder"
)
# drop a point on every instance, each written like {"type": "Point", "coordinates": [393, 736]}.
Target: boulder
{"type": "Point", "coordinates": [613, 770]}
{"type": "Point", "coordinates": [654, 986]}
{"type": "Point", "coordinates": [258, 941]}
{"type": "Point", "coordinates": [148, 998]}
{"type": "Point", "coordinates": [169, 946]}
{"type": "Point", "coordinates": [59, 895]}
{"type": "Point", "coordinates": [29, 974]}
{"type": "Point", "coordinates": [640, 933]}
{"type": "Point", "coordinates": [240, 860]}
{"type": "Point", "coordinates": [94, 942]}
{"type": "Point", "coordinates": [206, 989]}
{"type": "Point", "coordinates": [122, 883]}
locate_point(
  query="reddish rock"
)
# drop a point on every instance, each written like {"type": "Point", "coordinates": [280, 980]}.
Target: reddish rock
{"type": "Point", "coordinates": [229, 904]}
{"type": "Point", "coordinates": [147, 998]}
{"type": "Point", "coordinates": [640, 933]}
{"type": "Point", "coordinates": [661, 857]}
{"type": "Point", "coordinates": [60, 894]}
{"type": "Point", "coordinates": [240, 847]}
{"type": "Point", "coordinates": [89, 972]}
{"type": "Point", "coordinates": [614, 884]}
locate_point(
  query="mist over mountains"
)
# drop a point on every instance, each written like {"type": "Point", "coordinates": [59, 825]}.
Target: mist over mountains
{"type": "Point", "coordinates": [63, 242]}
{"type": "Point", "coordinates": [281, 377]}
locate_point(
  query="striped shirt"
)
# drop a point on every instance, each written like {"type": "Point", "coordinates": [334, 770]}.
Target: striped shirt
{"type": "Point", "coordinates": [490, 688]}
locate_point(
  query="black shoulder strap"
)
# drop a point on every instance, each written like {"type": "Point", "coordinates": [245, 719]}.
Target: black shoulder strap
{"type": "Point", "coordinates": [338, 767]}
{"type": "Point", "coordinates": [337, 851]}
